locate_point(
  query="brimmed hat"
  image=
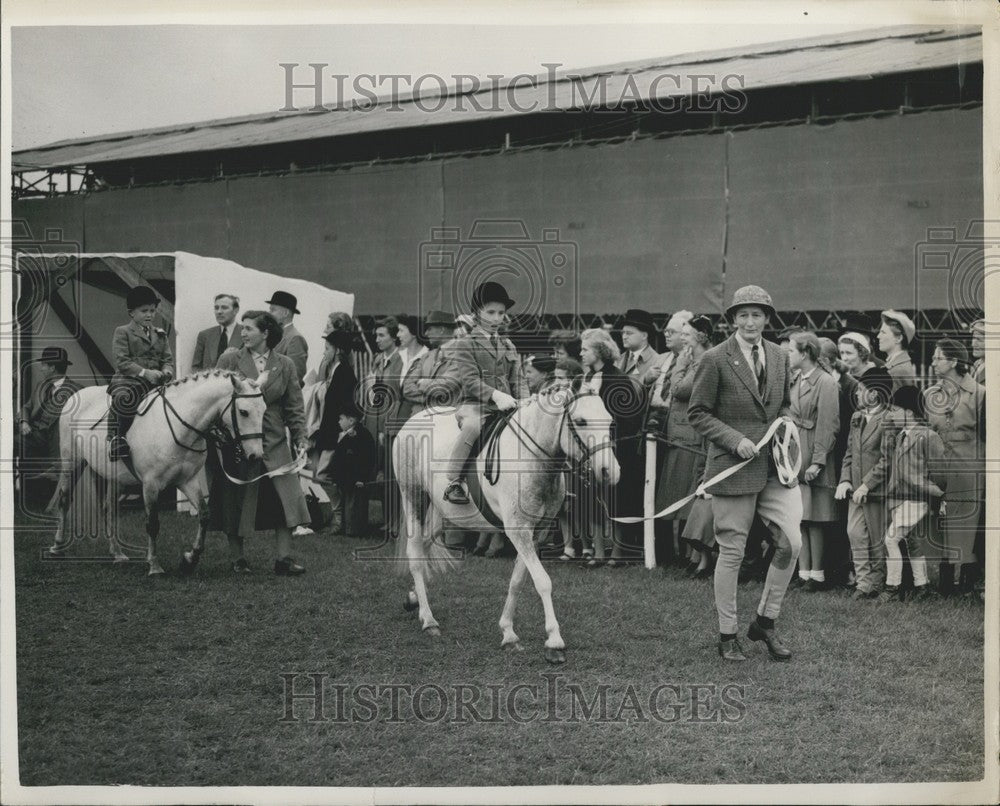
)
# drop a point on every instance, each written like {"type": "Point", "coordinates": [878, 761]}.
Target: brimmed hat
{"type": "Point", "coordinates": [340, 340]}
{"type": "Point", "coordinates": [439, 319]}
{"type": "Point", "coordinates": [285, 300]}
{"type": "Point", "coordinates": [351, 409]}
{"type": "Point", "coordinates": [905, 323]}
{"type": "Point", "coordinates": [140, 295]}
{"type": "Point", "coordinates": [878, 380]}
{"type": "Point", "coordinates": [751, 295]}
{"type": "Point", "coordinates": [486, 293]}
{"type": "Point", "coordinates": [909, 398]}
{"type": "Point", "coordinates": [641, 320]}
{"type": "Point", "coordinates": [55, 355]}
{"type": "Point", "coordinates": [702, 324]}
{"type": "Point", "coordinates": [545, 364]}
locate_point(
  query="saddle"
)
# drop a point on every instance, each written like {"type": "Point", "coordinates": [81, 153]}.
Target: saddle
{"type": "Point", "coordinates": [488, 443]}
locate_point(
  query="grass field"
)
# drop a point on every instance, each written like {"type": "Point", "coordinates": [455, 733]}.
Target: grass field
{"type": "Point", "coordinates": [124, 679]}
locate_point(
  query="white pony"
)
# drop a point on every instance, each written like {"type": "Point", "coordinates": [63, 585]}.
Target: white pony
{"type": "Point", "coordinates": [169, 439]}
{"type": "Point", "coordinates": [527, 463]}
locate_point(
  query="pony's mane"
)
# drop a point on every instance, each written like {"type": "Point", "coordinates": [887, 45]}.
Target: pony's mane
{"type": "Point", "coordinates": [205, 374]}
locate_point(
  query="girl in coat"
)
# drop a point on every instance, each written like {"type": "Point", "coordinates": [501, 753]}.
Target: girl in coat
{"type": "Point", "coordinates": [277, 502]}
{"type": "Point", "coordinates": [815, 408]}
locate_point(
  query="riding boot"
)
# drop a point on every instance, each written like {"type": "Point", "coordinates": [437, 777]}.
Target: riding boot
{"type": "Point", "coordinates": [118, 447]}
{"type": "Point", "coordinates": [454, 494]}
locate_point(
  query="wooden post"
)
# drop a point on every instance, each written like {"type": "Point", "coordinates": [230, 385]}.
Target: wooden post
{"type": "Point", "coordinates": [649, 504]}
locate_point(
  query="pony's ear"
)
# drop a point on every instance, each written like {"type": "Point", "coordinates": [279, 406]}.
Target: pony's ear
{"type": "Point", "coordinates": [236, 383]}
{"type": "Point", "coordinates": [261, 379]}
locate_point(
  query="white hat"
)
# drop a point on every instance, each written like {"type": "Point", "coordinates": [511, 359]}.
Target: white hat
{"type": "Point", "coordinates": [904, 321]}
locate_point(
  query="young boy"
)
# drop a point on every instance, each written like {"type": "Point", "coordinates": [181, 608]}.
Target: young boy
{"type": "Point", "coordinates": [143, 361]}
{"type": "Point", "coordinates": [915, 490]}
{"type": "Point", "coordinates": [351, 468]}
{"type": "Point", "coordinates": [862, 481]}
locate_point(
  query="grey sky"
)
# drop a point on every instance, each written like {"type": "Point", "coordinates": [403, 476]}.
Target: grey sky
{"type": "Point", "coordinates": [70, 82]}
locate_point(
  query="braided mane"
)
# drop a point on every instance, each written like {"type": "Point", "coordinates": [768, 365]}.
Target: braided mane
{"type": "Point", "coordinates": [207, 373]}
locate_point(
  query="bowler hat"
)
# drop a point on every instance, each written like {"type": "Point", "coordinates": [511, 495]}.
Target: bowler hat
{"type": "Point", "coordinates": [341, 340]}
{"type": "Point", "coordinates": [909, 398]}
{"type": "Point", "coordinates": [751, 295]}
{"type": "Point", "coordinates": [140, 295]}
{"type": "Point", "coordinates": [285, 300]}
{"type": "Point", "coordinates": [486, 293]}
{"type": "Point", "coordinates": [439, 319]}
{"type": "Point", "coordinates": [878, 380]}
{"type": "Point", "coordinates": [641, 320]}
{"type": "Point", "coordinates": [55, 355]}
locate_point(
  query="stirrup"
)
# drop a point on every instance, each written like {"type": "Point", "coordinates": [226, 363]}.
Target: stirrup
{"type": "Point", "coordinates": [454, 494]}
{"type": "Point", "coordinates": [118, 449]}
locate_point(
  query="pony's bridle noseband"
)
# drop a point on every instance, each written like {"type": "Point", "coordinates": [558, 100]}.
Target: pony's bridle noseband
{"type": "Point", "coordinates": [216, 432]}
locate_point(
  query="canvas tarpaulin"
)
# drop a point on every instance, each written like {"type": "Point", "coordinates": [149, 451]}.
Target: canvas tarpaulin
{"type": "Point", "coordinates": [829, 215]}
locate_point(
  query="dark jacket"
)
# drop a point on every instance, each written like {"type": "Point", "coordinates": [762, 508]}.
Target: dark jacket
{"type": "Point", "coordinates": [339, 394]}
{"type": "Point", "coordinates": [353, 458]}
{"type": "Point", "coordinates": [206, 346]}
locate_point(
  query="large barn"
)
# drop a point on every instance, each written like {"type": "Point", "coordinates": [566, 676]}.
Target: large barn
{"type": "Point", "coordinates": [826, 170]}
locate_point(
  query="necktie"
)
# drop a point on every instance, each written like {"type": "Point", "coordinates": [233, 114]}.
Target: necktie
{"type": "Point", "coordinates": [223, 342]}
{"type": "Point", "coordinates": [495, 341]}
{"type": "Point", "coordinates": [758, 368]}
{"type": "Point", "coordinates": [146, 331]}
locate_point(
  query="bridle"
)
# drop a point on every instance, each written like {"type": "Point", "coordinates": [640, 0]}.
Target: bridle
{"type": "Point", "coordinates": [216, 431]}
{"type": "Point", "coordinates": [565, 421]}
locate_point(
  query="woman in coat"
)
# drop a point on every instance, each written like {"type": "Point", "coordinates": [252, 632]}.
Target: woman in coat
{"type": "Point", "coordinates": [276, 502]}
{"type": "Point", "coordinates": [956, 410]}
{"type": "Point", "coordinates": [684, 462]}
{"type": "Point", "coordinates": [625, 401]}
{"type": "Point", "coordinates": [815, 410]}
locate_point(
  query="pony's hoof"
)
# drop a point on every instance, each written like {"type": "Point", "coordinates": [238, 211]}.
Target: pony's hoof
{"type": "Point", "coordinates": [155, 571]}
{"type": "Point", "coordinates": [514, 646]}
{"type": "Point", "coordinates": [54, 554]}
{"type": "Point", "coordinates": [555, 655]}
{"type": "Point", "coordinates": [188, 563]}
{"type": "Point", "coordinates": [120, 559]}
{"type": "Point", "coordinates": [433, 631]}
{"type": "Point", "coordinates": [411, 602]}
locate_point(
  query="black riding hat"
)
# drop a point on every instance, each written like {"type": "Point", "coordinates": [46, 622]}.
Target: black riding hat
{"type": "Point", "coordinates": [140, 295]}
{"type": "Point", "coordinates": [486, 293]}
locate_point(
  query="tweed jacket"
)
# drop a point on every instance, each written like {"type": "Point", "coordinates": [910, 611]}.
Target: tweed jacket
{"type": "Point", "coordinates": [294, 346]}
{"type": "Point", "coordinates": [283, 397]}
{"type": "Point", "coordinates": [206, 346]}
{"type": "Point", "coordinates": [133, 351]}
{"type": "Point", "coordinates": [725, 407]}
{"type": "Point", "coordinates": [431, 367]}
{"type": "Point", "coordinates": [865, 461]}
{"type": "Point", "coordinates": [901, 368]}
{"type": "Point", "coordinates": [916, 462]}
{"type": "Point", "coordinates": [679, 431]}
{"type": "Point", "coordinates": [480, 368]}
{"type": "Point", "coordinates": [381, 393]}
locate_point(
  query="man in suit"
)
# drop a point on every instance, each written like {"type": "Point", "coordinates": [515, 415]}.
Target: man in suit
{"type": "Point", "coordinates": [38, 419]}
{"type": "Point", "coordinates": [214, 341]}
{"type": "Point", "coordinates": [283, 307]}
{"type": "Point", "coordinates": [740, 388]}
{"type": "Point", "coordinates": [639, 359]}
{"type": "Point", "coordinates": [488, 370]}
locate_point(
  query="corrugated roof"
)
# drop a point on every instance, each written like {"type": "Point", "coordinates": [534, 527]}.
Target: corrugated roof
{"type": "Point", "coordinates": [853, 56]}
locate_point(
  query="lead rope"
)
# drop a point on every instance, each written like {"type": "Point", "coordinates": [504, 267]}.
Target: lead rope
{"type": "Point", "coordinates": [787, 467]}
